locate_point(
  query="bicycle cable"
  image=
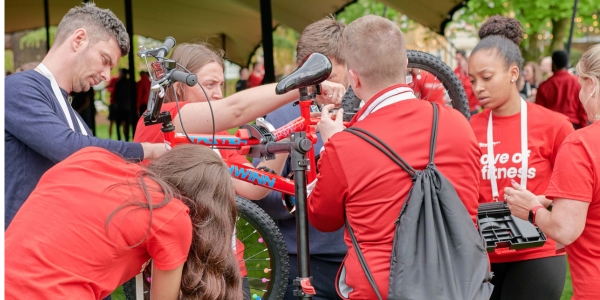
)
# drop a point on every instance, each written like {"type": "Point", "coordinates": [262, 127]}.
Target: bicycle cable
{"type": "Point", "coordinates": [179, 112]}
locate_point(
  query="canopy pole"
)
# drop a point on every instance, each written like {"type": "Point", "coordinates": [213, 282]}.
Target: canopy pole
{"type": "Point", "coordinates": [225, 53]}
{"type": "Point", "coordinates": [267, 40]}
{"type": "Point", "coordinates": [132, 119]}
{"type": "Point", "coordinates": [572, 27]}
{"type": "Point", "coordinates": [47, 22]}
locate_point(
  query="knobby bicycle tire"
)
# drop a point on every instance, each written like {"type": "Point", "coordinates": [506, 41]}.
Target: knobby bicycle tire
{"type": "Point", "coordinates": [453, 86]}
{"type": "Point", "coordinates": [427, 62]}
{"type": "Point", "coordinates": [265, 251]}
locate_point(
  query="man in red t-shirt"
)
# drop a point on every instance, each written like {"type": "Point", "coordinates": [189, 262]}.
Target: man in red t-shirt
{"type": "Point", "coordinates": [357, 181]}
{"type": "Point", "coordinates": [142, 92]}
{"type": "Point", "coordinates": [561, 92]}
{"type": "Point", "coordinates": [462, 73]}
{"type": "Point", "coordinates": [110, 87]}
{"type": "Point", "coordinates": [257, 75]}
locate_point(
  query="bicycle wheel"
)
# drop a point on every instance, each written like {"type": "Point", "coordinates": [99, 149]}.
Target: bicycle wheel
{"type": "Point", "coordinates": [264, 252]}
{"type": "Point", "coordinates": [432, 80]}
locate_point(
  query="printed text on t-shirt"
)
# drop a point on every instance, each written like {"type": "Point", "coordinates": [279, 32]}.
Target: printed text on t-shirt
{"type": "Point", "coordinates": [503, 171]}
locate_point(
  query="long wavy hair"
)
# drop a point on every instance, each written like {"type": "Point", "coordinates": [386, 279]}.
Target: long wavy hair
{"type": "Point", "coordinates": [199, 178]}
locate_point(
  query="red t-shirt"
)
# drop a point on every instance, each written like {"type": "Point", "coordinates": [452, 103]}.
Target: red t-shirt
{"type": "Point", "coordinates": [428, 87]}
{"type": "Point", "coordinates": [143, 91]}
{"type": "Point", "coordinates": [466, 82]}
{"type": "Point", "coordinates": [546, 130]}
{"type": "Point", "coordinates": [561, 93]}
{"type": "Point", "coordinates": [576, 176]}
{"type": "Point", "coordinates": [357, 178]}
{"type": "Point", "coordinates": [58, 247]}
{"type": "Point", "coordinates": [152, 134]}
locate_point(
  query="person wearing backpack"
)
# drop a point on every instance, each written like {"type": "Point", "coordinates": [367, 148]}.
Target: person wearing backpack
{"type": "Point", "coordinates": [370, 193]}
{"type": "Point", "coordinates": [510, 129]}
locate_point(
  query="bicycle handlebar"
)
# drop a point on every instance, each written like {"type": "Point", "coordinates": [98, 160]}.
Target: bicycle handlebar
{"type": "Point", "coordinates": [166, 46]}
{"type": "Point", "coordinates": [189, 79]}
{"type": "Point", "coordinates": [159, 52]}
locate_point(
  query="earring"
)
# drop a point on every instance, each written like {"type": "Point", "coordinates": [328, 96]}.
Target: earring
{"type": "Point", "coordinates": [512, 80]}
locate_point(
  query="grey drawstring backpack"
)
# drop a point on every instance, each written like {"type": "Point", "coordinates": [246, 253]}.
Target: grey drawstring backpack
{"type": "Point", "coordinates": [437, 251]}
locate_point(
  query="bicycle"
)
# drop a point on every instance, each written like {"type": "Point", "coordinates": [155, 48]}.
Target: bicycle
{"type": "Point", "coordinates": [261, 140]}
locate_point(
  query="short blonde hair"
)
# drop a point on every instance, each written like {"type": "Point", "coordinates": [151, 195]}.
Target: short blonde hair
{"type": "Point", "coordinates": [375, 49]}
{"type": "Point", "coordinates": [589, 66]}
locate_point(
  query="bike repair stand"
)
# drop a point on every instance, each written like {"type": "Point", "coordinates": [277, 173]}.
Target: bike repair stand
{"type": "Point", "coordinates": [299, 164]}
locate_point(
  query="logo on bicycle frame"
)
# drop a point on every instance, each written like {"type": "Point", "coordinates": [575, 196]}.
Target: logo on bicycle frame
{"type": "Point", "coordinates": [223, 140]}
{"type": "Point", "coordinates": [252, 176]}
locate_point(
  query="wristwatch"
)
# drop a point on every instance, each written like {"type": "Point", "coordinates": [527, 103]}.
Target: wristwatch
{"type": "Point", "coordinates": [532, 214]}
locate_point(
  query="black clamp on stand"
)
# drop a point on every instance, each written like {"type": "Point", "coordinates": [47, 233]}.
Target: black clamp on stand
{"type": "Point", "coordinates": [299, 164]}
{"type": "Point", "coordinates": [163, 118]}
{"type": "Point", "coordinates": [267, 147]}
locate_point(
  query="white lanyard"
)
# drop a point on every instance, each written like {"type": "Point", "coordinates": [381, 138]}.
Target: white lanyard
{"type": "Point", "coordinates": [59, 97]}
{"type": "Point", "coordinates": [524, 153]}
{"type": "Point", "coordinates": [388, 98]}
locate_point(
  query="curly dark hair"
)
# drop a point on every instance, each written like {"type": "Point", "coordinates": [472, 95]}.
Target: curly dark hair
{"type": "Point", "coordinates": [507, 27]}
{"type": "Point", "coordinates": [502, 34]}
{"type": "Point", "coordinates": [100, 24]}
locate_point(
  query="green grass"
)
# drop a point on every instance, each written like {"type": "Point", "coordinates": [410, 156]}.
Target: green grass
{"type": "Point", "coordinates": [102, 132]}
{"type": "Point", "coordinates": [118, 294]}
{"type": "Point", "coordinates": [568, 290]}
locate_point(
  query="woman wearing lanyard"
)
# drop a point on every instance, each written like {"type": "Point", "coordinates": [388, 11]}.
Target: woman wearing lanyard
{"type": "Point", "coordinates": [519, 142]}
{"type": "Point", "coordinates": [575, 189]}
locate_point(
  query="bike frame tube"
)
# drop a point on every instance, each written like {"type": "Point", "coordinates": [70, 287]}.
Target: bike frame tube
{"type": "Point", "coordinates": [220, 141]}
{"type": "Point", "coordinates": [261, 178]}
{"type": "Point", "coordinates": [239, 171]}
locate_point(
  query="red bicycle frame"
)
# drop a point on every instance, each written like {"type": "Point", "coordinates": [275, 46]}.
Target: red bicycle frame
{"type": "Point", "coordinates": [243, 142]}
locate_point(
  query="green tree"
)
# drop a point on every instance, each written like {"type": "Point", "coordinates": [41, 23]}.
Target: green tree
{"type": "Point", "coordinates": [546, 22]}
{"type": "Point", "coordinates": [371, 7]}
{"type": "Point", "coordinates": [37, 38]}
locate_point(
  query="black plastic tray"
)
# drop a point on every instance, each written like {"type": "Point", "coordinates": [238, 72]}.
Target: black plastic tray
{"type": "Point", "coordinates": [501, 229]}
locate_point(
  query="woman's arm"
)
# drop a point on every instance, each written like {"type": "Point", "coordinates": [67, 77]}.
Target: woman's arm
{"type": "Point", "coordinates": [256, 192]}
{"type": "Point", "coordinates": [245, 106]}
{"type": "Point", "coordinates": [165, 283]}
{"type": "Point", "coordinates": [564, 223]}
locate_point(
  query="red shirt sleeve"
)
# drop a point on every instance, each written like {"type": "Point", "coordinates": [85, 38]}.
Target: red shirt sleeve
{"type": "Point", "coordinates": [572, 177]}
{"type": "Point", "coordinates": [326, 202]}
{"type": "Point", "coordinates": [565, 129]}
{"type": "Point", "coordinates": [170, 245]}
{"type": "Point", "coordinates": [234, 156]}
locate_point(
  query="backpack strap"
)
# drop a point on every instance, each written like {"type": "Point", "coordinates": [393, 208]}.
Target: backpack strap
{"type": "Point", "coordinates": [361, 259]}
{"type": "Point", "coordinates": [387, 150]}
{"type": "Point", "coordinates": [433, 133]}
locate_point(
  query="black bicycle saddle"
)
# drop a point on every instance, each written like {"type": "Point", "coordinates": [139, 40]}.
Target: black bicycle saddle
{"type": "Point", "coordinates": [314, 70]}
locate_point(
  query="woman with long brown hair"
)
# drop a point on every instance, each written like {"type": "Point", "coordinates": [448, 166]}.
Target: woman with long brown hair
{"type": "Point", "coordinates": [94, 221]}
{"type": "Point", "coordinates": [208, 65]}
